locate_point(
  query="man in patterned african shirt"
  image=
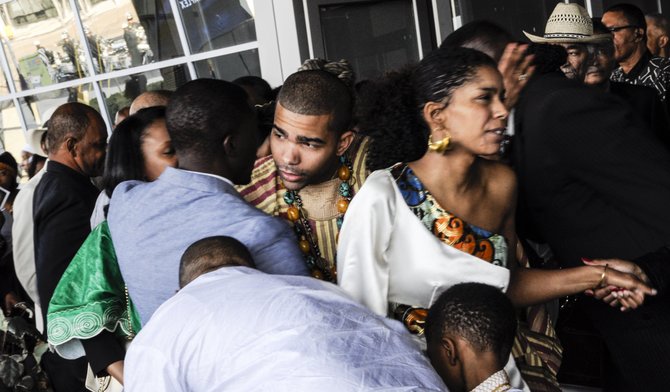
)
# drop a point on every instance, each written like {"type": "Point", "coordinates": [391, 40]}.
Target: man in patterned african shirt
{"type": "Point", "coordinates": [636, 64]}
{"type": "Point", "coordinates": [316, 167]}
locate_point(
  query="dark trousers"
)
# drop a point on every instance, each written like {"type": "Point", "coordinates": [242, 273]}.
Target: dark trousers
{"type": "Point", "coordinates": [65, 375]}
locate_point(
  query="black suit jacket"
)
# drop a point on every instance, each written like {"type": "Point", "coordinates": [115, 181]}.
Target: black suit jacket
{"type": "Point", "coordinates": [62, 206]}
{"type": "Point", "coordinates": [645, 102]}
{"type": "Point", "coordinates": [594, 182]}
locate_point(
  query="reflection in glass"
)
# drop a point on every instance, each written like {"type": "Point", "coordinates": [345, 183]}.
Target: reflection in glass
{"type": "Point", "coordinates": [120, 92]}
{"type": "Point", "coordinates": [4, 87]}
{"type": "Point", "coordinates": [229, 67]}
{"type": "Point", "coordinates": [374, 37]}
{"type": "Point", "coordinates": [214, 24]}
{"type": "Point", "coordinates": [40, 42]}
{"type": "Point", "coordinates": [124, 33]}
{"type": "Point", "coordinates": [38, 108]}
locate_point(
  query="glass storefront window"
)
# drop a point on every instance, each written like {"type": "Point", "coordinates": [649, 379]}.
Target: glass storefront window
{"type": "Point", "coordinates": [374, 37]}
{"type": "Point", "coordinates": [38, 108]}
{"type": "Point", "coordinates": [122, 33]}
{"type": "Point", "coordinates": [229, 67]}
{"type": "Point", "coordinates": [120, 92]}
{"type": "Point", "coordinates": [214, 24]}
{"type": "Point", "coordinates": [40, 43]}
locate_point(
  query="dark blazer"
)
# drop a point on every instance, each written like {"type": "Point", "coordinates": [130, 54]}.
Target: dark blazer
{"type": "Point", "coordinates": [645, 103]}
{"type": "Point", "coordinates": [594, 182]}
{"type": "Point", "coordinates": [62, 206]}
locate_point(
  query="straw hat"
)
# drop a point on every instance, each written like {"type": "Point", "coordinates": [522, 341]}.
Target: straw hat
{"type": "Point", "coordinates": [568, 24]}
{"type": "Point", "coordinates": [34, 139]}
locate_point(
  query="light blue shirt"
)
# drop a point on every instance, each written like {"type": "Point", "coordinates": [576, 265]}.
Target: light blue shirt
{"type": "Point", "coordinates": [153, 223]}
{"type": "Point", "coordinates": [238, 329]}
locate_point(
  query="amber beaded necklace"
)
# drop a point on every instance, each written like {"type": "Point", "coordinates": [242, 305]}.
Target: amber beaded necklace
{"type": "Point", "coordinates": [319, 266]}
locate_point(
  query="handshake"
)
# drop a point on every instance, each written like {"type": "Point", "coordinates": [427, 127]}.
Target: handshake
{"type": "Point", "coordinates": [622, 283]}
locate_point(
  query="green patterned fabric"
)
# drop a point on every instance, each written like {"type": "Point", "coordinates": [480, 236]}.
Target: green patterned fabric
{"type": "Point", "coordinates": [90, 297]}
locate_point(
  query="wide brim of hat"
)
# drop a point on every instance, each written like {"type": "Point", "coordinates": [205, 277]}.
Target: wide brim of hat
{"type": "Point", "coordinates": [34, 139]}
{"type": "Point", "coordinates": [569, 39]}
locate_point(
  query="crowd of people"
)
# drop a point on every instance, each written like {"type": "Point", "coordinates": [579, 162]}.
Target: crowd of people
{"type": "Point", "coordinates": [412, 232]}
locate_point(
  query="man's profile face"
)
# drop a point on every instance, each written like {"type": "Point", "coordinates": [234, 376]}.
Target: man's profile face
{"type": "Point", "coordinates": [576, 66]}
{"type": "Point", "coordinates": [91, 149]}
{"type": "Point", "coordinates": [303, 147]}
{"type": "Point", "coordinates": [626, 37]}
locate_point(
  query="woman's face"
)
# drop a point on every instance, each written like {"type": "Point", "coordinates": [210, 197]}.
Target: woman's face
{"type": "Point", "coordinates": [157, 150]}
{"type": "Point", "coordinates": [476, 116]}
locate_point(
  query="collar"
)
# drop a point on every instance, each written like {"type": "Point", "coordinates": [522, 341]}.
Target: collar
{"type": "Point", "coordinates": [497, 382]}
{"type": "Point", "coordinates": [639, 67]}
{"type": "Point", "coordinates": [227, 181]}
{"type": "Point", "coordinates": [57, 167]}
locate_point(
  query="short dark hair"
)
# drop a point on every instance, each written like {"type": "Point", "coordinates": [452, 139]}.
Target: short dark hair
{"type": "Point", "coordinates": [6, 158]}
{"type": "Point", "coordinates": [481, 35]}
{"type": "Point", "coordinates": [211, 253]}
{"type": "Point", "coordinates": [202, 112]}
{"type": "Point", "coordinates": [124, 160]}
{"type": "Point", "coordinates": [480, 314]}
{"type": "Point", "coordinates": [634, 15]}
{"type": "Point", "coordinates": [317, 92]}
{"type": "Point", "coordinates": [258, 86]}
{"type": "Point", "coordinates": [660, 21]}
{"type": "Point", "coordinates": [70, 119]}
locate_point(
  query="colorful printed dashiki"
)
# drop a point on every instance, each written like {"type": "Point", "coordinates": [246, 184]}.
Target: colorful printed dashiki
{"type": "Point", "coordinates": [266, 192]}
{"type": "Point", "coordinates": [450, 229]}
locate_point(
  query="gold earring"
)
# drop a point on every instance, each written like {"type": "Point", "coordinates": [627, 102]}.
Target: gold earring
{"type": "Point", "coordinates": [439, 146]}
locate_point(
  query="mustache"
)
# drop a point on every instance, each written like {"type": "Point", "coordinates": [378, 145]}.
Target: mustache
{"type": "Point", "coordinates": [291, 170]}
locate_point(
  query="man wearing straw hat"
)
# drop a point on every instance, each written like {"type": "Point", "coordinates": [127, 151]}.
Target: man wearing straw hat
{"type": "Point", "coordinates": [593, 183]}
{"type": "Point", "coordinates": [570, 26]}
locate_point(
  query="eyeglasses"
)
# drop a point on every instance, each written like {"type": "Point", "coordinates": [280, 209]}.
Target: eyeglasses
{"type": "Point", "coordinates": [614, 29]}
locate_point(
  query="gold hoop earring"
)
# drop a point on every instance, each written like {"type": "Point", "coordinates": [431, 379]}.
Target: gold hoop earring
{"type": "Point", "coordinates": [440, 145]}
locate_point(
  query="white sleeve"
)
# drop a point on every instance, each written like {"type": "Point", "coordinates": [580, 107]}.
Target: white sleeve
{"type": "Point", "coordinates": [147, 369]}
{"type": "Point", "coordinates": [362, 268]}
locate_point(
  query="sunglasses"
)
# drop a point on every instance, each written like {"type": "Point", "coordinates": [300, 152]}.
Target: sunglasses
{"type": "Point", "coordinates": [614, 29]}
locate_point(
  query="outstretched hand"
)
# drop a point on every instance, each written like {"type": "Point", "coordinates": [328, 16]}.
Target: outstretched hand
{"type": "Point", "coordinates": [515, 67]}
{"type": "Point", "coordinates": [625, 284]}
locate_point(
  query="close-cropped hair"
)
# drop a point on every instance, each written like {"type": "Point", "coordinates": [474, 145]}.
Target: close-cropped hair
{"type": "Point", "coordinates": [69, 120]}
{"type": "Point", "coordinates": [202, 112]}
{"type": "Point", "coordinates": [124, 160]}
{"type": "Point", "coordinates": [391, 110]}
{"type": "Point", "coordinates": [481, 35]}
{"type": "Point", "coordinates": [212, 253]}
{"type": "Point", "coordinates": [660, 21]}
{"type": "Point", "coordinates": [479, 314]}
{"type": "Point", "coordinates": [318, 92]}
{"type": "Point", "coordinates": [634, 15]}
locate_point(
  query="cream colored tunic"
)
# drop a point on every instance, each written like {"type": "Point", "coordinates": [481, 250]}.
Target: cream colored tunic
{"type": "Point", "coordinates": [386, 255]}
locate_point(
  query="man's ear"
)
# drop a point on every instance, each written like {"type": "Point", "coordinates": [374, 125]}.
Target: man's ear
{"type": "Point", "coordinates": [663, 41]}
{"type": "Point", "coordinates": [70, 144]}
{"type": "Point", "coordinates": [345, 141]}
{"type": "Point", "coordinates": [450, 351]}
{"type": "Point", "coordinates": [230, 145]}
{"type": "Point", "coordinates": [639, 34]}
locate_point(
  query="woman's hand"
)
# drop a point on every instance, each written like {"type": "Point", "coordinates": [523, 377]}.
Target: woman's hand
{"type": "Point", "coordinates": [624, 284]}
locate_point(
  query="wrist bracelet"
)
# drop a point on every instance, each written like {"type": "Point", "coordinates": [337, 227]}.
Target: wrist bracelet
{"type": "Point", "coordinates": [602, 277]}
